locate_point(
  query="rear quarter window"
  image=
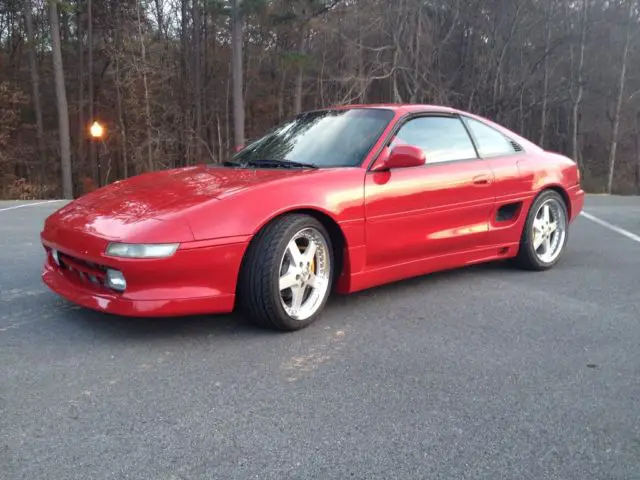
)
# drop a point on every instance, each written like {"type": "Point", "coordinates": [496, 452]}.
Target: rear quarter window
{"type": "Point", "coordinates": [490, 142]}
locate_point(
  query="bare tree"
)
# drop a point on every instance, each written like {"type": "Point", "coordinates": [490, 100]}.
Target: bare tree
{"type": "Point", "coordinates": [297, 96]}
{"type": "Point", "coordinates": [618, 106]}
{"type": "Point", "coordinates": [637, 167]}
{"type": "Point", "coordinates": [197, 74]}
{"type": "Point", "coordinates": [310, 9]}
{"type": "Point", "coordinates": [237, 72]}
{"type": "Point", "coordinates": [147, 102]}
{"type": "Point", "coordinates": [61, 95]}
{"type": "Point", "coordinates": [92, 145]}
{"type": "Point", "coordinates": [545, 81]}
{"type": "Point", "coordinates": [35, 83]}
{"type": "Point", "coordinates": [81, 119]}
{"type": "Point", "coordinates": [580, 81]}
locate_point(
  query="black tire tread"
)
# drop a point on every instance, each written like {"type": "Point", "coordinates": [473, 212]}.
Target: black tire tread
{"type": "Point", "coordinates": [256, 298]}
{"type": "Point", "coordinates": [526, 258]}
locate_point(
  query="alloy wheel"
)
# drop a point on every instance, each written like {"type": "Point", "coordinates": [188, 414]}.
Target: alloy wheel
{"type": "Point", "coordinates": [549, 230]}
{"type": "Point", "coordinates": [305, 273]}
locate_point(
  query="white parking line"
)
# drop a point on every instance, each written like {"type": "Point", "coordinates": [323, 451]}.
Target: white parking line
{"type": "Point", "coordinates": [608, 225]}
{"type": "Point", "coordinates": [29, 205]}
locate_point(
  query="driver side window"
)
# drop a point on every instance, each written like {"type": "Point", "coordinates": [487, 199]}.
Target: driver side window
{"type": "Point", "coordinates": [443, 139]}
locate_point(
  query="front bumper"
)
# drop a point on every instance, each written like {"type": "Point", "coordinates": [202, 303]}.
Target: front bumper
{"type": "Point", "coordinates": [199, 278]}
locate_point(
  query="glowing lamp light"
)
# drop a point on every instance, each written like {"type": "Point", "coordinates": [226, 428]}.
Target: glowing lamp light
{"type": "Point", "coordinates": [96, 130]}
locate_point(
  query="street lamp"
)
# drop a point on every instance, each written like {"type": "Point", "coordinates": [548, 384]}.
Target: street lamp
{"type": "Point", "coordinates": [97, 131]}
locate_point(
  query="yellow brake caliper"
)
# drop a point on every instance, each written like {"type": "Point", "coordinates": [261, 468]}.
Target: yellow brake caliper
{"type": "Point", "coordinates": [312, 267]}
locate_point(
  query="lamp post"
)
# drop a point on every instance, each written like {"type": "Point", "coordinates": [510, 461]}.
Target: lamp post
{"type": "Point", "coordinates": [97, 132]}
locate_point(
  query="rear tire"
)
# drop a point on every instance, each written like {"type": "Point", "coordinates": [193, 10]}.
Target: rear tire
{"type": "Point", "coordinates": [545, 233]}
{"type": "Point", "coordinates": [286, 276]}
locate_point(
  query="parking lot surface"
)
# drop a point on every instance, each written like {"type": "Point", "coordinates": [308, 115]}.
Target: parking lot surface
{"type": "Point", "coordinates": [483, 372]}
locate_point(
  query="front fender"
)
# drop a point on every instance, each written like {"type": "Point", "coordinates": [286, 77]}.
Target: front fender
{"type": "Point", "coordinates": [338, 193]}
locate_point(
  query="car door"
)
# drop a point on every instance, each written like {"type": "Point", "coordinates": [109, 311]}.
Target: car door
{"type": "Point", "coordinates": [437, 209]}
{"type": "Point", "coordinates": [512, 178]}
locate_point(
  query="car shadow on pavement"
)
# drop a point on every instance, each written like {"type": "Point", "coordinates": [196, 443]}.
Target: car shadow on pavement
{"type": "Point", "coordinates": [163, 327]}
{"type": "Point", "coordinates": [234, 325]}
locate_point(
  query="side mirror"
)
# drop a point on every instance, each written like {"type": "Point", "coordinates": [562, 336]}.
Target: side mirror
{"type": "Point", "coordinates": [402, 156]}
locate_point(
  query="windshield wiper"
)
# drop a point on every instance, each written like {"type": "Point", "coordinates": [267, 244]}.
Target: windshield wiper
{"type": "Point", "coordinates": [231, 163]}
{"type": "Point", "coordinates": [280, 163]}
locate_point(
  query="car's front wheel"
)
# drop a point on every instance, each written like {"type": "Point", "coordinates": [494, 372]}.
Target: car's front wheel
{"type": "Point", "coordinates": [545, 233]}
{"type": "Point", "coordinates": [287, 273]}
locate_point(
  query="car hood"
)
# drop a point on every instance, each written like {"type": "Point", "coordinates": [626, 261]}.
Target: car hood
{"type": "Point", "coordinates": [154, 205]}
{"type": "Point", "coordinates": [156, 194]}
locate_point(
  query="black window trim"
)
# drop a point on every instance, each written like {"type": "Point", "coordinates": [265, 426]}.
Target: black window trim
{"type": "Point", "coordinates": [402, 121]}
{"type": "Point", "coordinates": [464, 119]}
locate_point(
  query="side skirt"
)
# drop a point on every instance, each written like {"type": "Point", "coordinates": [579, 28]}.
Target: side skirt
{"type": "Point", "coordinates": [381, 276]}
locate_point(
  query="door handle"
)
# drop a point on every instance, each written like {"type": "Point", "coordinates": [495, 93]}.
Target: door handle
{"type": "Point", "coordinates": [481, 180]}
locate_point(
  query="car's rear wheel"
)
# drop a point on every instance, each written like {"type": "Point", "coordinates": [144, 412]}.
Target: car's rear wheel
{"type": "Point", "coordinates": [545, 233]}
{"type": "Point", "coordinates": [287, 273]}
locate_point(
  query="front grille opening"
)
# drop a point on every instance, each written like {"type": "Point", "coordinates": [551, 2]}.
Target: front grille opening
{"type": "Point", "coordinates": [88, 273]}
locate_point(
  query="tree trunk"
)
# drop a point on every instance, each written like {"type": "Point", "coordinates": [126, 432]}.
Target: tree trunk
{"type": "Point", "coordinates": [197, 76]}
{"type": "Point", "coordinates": [123, 128]}
{"type": "Point", "coordinates": [417, 59]}
{"type": "Point", "coordinates": [545, 80]}
{"type": "Point", "coordinates": [120, 110]}
{"type": "Point", "coordinates": [638, 152]}
{"type": "Point", "coordinates": [185, 135]}
{"type": "Point", "coordinates": [220, 153]}
{"type": "Point", "coordinates": [281, 94]}
{"type": "Point", "coordinates": [160, 15]}
{"type": "Point", "coordinates": [227, 116]}
{"type": "Point", "coordinates": [61, 96]}
{"type": "Point", "coordinates": [35, 85]}
{"type": "Point", "coordinates": [618, 107]}
{"type": "Point", "coordinates": [297, 96]}
{"type": "Point", "coordinates": [92, 145]}
{"type": "Point", "coordinates": [578, 99]}
{"type": "Point", "coordinates": [147, 104]}
{"type": "Point", "coordinates": [82, 127]}
{"type": "Point", "coordinates": [208, 129]}
{"type": "Point", "coordinates": [237, 74]}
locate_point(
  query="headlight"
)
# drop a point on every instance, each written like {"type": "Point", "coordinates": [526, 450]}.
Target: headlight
{"type": "Point", "coordinates": [130, 250]}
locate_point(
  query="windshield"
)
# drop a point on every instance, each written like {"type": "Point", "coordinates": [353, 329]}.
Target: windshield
{"type": "Point", "coordinates": [327, 138]}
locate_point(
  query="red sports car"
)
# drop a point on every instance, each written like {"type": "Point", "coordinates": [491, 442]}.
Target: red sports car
{"type": "Point", "coordinates": [339, 199]}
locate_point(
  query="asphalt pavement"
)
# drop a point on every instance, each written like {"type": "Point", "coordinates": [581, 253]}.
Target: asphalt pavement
{"type": "Point", "coordinates": [485, 373]}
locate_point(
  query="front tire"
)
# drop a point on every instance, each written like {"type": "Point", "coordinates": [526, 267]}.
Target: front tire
{"type": "Point", "coordinates": [287, 273]}
{"type": "Point", "coordinates": [545, 233]}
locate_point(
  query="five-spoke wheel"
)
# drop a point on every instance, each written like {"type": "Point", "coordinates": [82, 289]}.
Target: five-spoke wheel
{"type": "Point", "coordinates": [304, 273]}
{"type": "Point", "coordinates": [287, 273]}
{"type": "Point", "coordinates": [545, 233]}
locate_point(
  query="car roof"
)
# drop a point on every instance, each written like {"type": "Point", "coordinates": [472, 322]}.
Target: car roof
{"type": "Point", "coordinates": [398, 107]}
{"type": "Point", "coordinates": [407, 108]}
